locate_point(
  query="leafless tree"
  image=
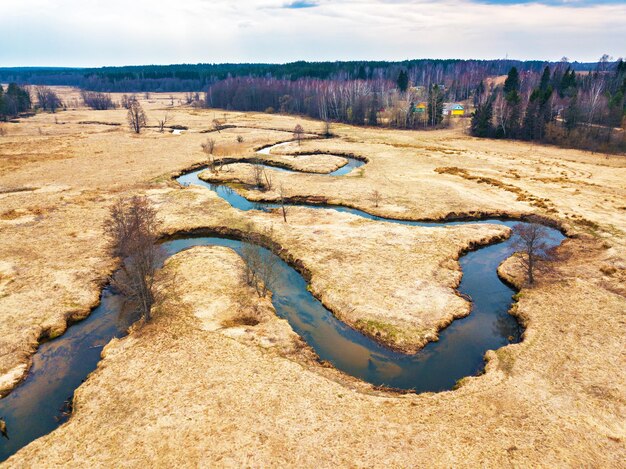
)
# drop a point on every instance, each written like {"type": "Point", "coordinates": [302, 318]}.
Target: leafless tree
{"type": "Point", "coordinates": [262, 178]}
{"type": "Point", "coordinates": [48, 100]}
{"type": "Point", "coordinates": [327, 129]}
{"type": "Point", "coordinates": [531, 242]}
{"type": "Point", "coordinates": [189, 98]}
{"type": "Point", "coordinates": [267, 177]}
{"type": "Point", "coordinates": [126, 100]}
{"type": "Point", "coordinates": [163, 122]}
{"type": "Point", "coordinates": [298, 133]}
{"type": "Point", "coordinates": [136, 117]}
{"type": "Point", "coordinates": [595, 93]}
{"type": "Point", "coordinates": [208, 148]}
{"type": "Point", "coordinates": [376, 198]}
{"type": "Point", "coordinates": [261, 269]}
{"type": "Point", "coordinates": [98, 101]}
{"type": "Point", "coordinates": [281, 194]}
{"type": "Point", "coordinates": [171, 100]}
{"type": "Point", "coordinates": [133, 231]}
{"type": "Point", "coordinates": [257, 176]}
{"type": "Point", "coordinates": [219, 125]}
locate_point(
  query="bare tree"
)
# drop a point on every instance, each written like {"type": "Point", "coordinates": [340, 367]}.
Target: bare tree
{"type": "Point", "coordinates": [257, 176]}
{"type": "Point", "coordinates": [127, 100]}
{"type": "Point", "coordinates": [99, 101]}
{"type": "Point", "coordinates": [133, 230]}
{"type": "Point", "coordinates": [531, 242]}
{"type": "Point", "coordinates": [595, 93]}
{"type": "Point", "coordinates": [48, 100]}
{"type": "Point", "coordinates": [171, 100]}
{"type": "Point", "coordinates": [298, 133]}
{"type": "Point", "coordinates": [136, 117]}
{"type": "Point", "coordinates": [261, 269]}
{"type": "Point", "coordinates": [262, 178]}
{"type": "Point", "coordinates": [376, 198]}
{"type": "Point", "coordinates": [267, 176]}
{"type": "Point", "coordinates": [208, 148]}
{"type": "Point", "coordinates": [163, 122]}
{"type": "Point", "coordinates": [281, 194]}
{"type": "Point", "coordinates": [327, 129]}
{"type": "Point", "coordinates": [219, 125]}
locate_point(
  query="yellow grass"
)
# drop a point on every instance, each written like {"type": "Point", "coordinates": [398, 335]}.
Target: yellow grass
{"type": "Point", "coordinates": [198, 387]}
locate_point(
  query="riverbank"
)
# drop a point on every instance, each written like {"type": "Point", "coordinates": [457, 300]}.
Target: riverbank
{"type": "Point", "coordinates": [205, 413]}
{"type": "Point", "coordinates": [57, 183]}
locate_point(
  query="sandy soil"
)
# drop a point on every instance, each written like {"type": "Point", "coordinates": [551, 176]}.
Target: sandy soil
{"type": "Point", "coordinates": [555, 399]}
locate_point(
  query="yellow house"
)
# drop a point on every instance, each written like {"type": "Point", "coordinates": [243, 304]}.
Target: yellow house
{"type": "Point", "coordinates": [454, 109]}
{"type": "Point", "coordinates": [421, 107]}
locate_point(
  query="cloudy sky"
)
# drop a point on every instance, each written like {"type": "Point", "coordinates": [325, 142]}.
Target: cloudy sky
{"type": "Point", "coordinates": [119, 32]}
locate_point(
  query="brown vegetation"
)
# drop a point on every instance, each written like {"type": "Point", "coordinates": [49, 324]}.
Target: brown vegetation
{"type": "Point", "coordinates": [531, 241]}
{"type": "Point", "coordinates": [133, 232]}
{"type": "Point", "coordinates": [136, 116]}
{"type": "Point", "coordinates": [554, 399]}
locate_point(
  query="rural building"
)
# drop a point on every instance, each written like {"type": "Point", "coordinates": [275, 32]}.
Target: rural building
{"type": "Point", "coordinates": [453, 109]}
{"type": "Point", "coordinates": [421, 107]}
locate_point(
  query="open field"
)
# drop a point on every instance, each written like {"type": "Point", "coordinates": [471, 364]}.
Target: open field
{"type": "Point", "coordinates": [254, 395]}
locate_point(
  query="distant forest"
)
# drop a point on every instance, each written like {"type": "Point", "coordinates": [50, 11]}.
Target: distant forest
{"type": "Point", "coordinates": [455, 74]}
{"type": "Point", "coordinates": [581, 105]}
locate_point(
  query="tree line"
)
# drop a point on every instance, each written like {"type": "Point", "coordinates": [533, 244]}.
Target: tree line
{"type": "Point", "coordinates": [358, 102]}
{"type": "Point", "coordinates": [14, 101]}
{"type": "Point", "coordinates": [459, 76]}
{"type": "Point", "coordinates": [558, 105]}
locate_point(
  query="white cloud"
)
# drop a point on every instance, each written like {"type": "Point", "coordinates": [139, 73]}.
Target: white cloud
{"type": "Point", "coordinates": [116, 32]}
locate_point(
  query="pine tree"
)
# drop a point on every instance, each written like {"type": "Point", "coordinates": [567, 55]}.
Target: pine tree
{"type": "Point", "coordinates": [572, 115]}
{"type": "Point", "coordinates": [513, 100]}
{"type": "Point", "coordinates": [361, 74]}
{"type": "Point", "coordinates": [478, 93]}
{"type": "Point", "coordinates": [539, 111]}
{"type": "Point", "coordinates": [616, 108]}
{"type": "Point", "coordinates": [403, 81]}
{"type": "Point", "coordinates": [481, 125]}
{"type": "Point", "coordinates": [567, 86]}
{"type": "Point", "coordinates": [545, 79]}
{"type": "Point", "coordinates": [512, 82]}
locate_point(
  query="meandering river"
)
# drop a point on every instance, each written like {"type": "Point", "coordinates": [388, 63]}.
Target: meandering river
{"type": "Point", "coordinates": [40, 403]}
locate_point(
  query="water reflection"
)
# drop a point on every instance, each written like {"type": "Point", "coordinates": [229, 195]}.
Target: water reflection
{"type": "Point", "coordinates": [41, 402]}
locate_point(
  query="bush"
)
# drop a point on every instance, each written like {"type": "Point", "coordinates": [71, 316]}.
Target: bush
{"type": "Point", "coordinates": [97, 101]}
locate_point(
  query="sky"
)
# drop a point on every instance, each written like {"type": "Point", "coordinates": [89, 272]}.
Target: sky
{"type": "Point", "coordinates": [85, 33]}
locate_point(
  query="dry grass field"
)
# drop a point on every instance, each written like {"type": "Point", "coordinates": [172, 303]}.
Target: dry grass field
{"type": "Point", "coordinates": [255, 395]}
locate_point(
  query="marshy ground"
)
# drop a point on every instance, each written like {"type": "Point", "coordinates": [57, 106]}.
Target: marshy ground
{"type": "Point", "coordinates": [202, 384]}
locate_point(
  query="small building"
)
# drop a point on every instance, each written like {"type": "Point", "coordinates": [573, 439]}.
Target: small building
{"type": "Point", "coordinates": [453, 109]}
{"type": "Point", "coordinates": [421, 107]}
